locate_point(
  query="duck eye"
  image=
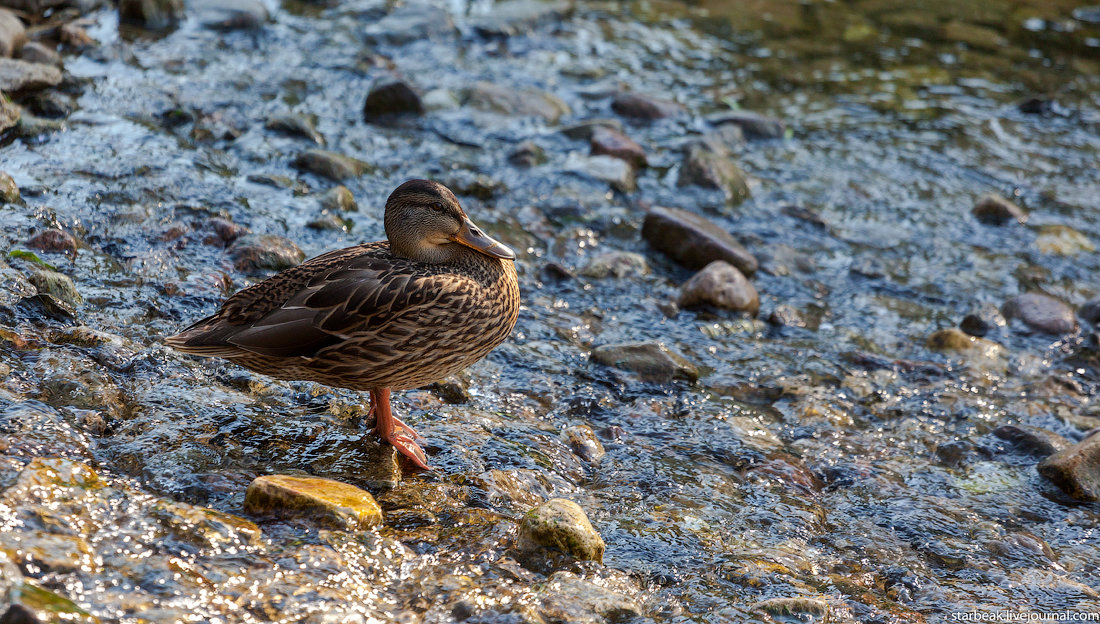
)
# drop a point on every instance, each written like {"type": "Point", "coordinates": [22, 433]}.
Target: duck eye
{"type": "Point", "coordinates": [438, 206]}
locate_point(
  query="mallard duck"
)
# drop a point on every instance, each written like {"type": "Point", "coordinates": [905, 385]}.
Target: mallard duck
{"type": "Point", "coordinates": [435, 297]}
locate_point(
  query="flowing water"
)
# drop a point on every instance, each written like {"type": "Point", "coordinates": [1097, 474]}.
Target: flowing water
{"type": "Point", "coordinates": [844, 462]}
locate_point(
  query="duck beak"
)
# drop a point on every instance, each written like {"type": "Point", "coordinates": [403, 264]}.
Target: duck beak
{"type": "Point", "coordinates": [472, 236]}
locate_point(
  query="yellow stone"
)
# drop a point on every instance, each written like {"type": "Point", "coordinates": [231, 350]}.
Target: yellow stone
{"type": "Point", "coordinates": [1063, 240]}
{"type": "Point", "coordinates": [330, 502]}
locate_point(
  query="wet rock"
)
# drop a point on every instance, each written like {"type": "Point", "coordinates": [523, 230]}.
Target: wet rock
{"type": "Point", "coordinates": [993, 209]}
{"type": "Point", "coordinates": [522, 488]}
{"type": "Point", "coordinates": [518, 102]}
{"type": "Point", "coordinates": [9, 116]}
{"type": "Point", "coordinates": [617, 173]}
{"type": "Point", "coordinates": [983, 321]}
{"type": "Point", "coordinates": [720, 284]}
{"type": "Point", "coordinates": [256, 253]}
{"type": "Point", "coordinates": [226, 230]}
{"type": "Point", "coordinates": [694, 241]}
{"type": "Point", "coordinates": [1062, 240]}
{"type": "Point", "coordinates": [1041, 313]}
{"type": "Point", "coordinates": [49, 104]}
{"type": "Point", "coordinates": [229, 14]}
{"type": "Point", "coordinates": [805, 214]}
{"type": "Point", "coordinates": [17, 75]}
{"type": "Point", "coordinates": [204, 527]}
{"type": "Point", "coordinates": [339, 199]}
{"type": "Point", "coordinates": [585, 129]}
{"type": "Point", "coordinates": [410, 22]}
{"type": "Point", "coordinates": [608, 142]}
{"type": "Point", "coordinates": [752, 125]}
{"type": "Point", "coordinates": [295, 124]}
{"type": "Point", "coordinates": [1032, 440]}
{"type": "Point", "coordinates": [567, 598]}
{"type": "Point", "coordinates": [583, 441]}
{"type": "Point", "coordinates": [644, 107]}
{"type": "Point", "coordinates": [952, 340]}
{"type": "Point", "coordinates": [453, 390]}
{"type": "Point", "coordinates": [151, 14]}
{"type": "Point", "coordinates": [706, 168]}
{"type": "Point", "coordinates": [1023, 547]}
{"type": "Point", "coordinates": [527, 154]}
{"type": "Point", "coordinates": [329, 502]}
{"type": "Point", "coordinates": [801, 608]}
{"type": "Point", "coordinates": [616, 264]}
{"type": "Point", "coordinates": [330, 165]}
{"type": "Point", "coordinates": [784, 315]}
{"type": "Point", "coordinates": [329, 221]}
{"type": "Point", "coordinates": [1089, 312]}
{"type": "Point", "coordinates": [651, 361]}
{"type": "Point", "coordinates": [515, 17]}
{"type": "Point", "coordinates": [56, 284]}
{"type": "Point", "coordinates": [560, 526]}
{"type": "Point", "coordinates": [440, 99]}
{"type": "Point", "coordinates": [48, 552]}
{"type": "Point", "coordinates": [1076, 470]}
{"type": "Point", "coordinates": [53, 239]}
{"type": "Point", "coordinates": [391, 98]}
{"type": "Point", "coordinates": [14, 287]}
{"type": "Point", "coordinates": [12, 33]}
{"type": "Point", "coordinates": [9, 190]}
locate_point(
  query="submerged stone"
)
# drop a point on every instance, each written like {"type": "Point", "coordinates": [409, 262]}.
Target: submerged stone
{"type": "Point", "coordinates": [1032, 440]}
{"type": "Point", "coordinates": [1062, 240]}
{"type": "Point", "coordinates": [255, 253]}
{"type": "Point", "coordinates": [651, 361]}
{"type": "Point", "coordinates": [53, 239]}
{"type": "Point", "coordinates": [615, 172]}
{"type": "Point", "coordinates": [56, 284]}
{"type": "Point", "coordinates": [565, 597]}
{"type": "Point", "coordinates": [295, 124]}
{"type": "Point", "coordinates": [583, 441]}
{"type": "Point", "coordinates": [952, 340]}
{"type": "Point", "coordinates": [515, 17]}
{"type": "Point", "coordinates": [330, 165]}
{"type": "Point", "coordinates": [752, 125]}
{"type": "Point", "coordinates": [339, 199]}
{"type": "Point", "coordinates": [1076, 470]}
{"type": "Point", "coordinates": [645, 107]}
{"type": "Point", "coordinates": [151, 14]}
{"type": "Point", "coordinates": [330, 502]}
{"type": "Point", "coordinates": [609, 142]}
{"type": "Point", "coordinates": [694, 241]}
{"type": "Point", "coordinates": [711, 169]}
{"type": "Point", "coordinates": [616, 264]}
{"type": "Point", "coordinates": [519, 102]}
{"type": "Point", "coordinates": [992, 209]}
{"type": "Point", "coordinates": [560, 526]}
{"type": "Point", "coordinates": [391, 98]}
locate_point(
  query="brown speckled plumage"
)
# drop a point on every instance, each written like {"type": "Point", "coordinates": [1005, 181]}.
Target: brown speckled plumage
{"type": "Point", "coordinates": [363, 318]}
{"type": "Point", "coordinates": [433, 299]}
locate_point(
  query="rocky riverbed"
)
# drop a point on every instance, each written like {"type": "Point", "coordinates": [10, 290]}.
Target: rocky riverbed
{"type": "Point", "coordinates": [809, 328]}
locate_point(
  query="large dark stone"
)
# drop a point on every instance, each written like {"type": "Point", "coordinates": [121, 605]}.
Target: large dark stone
{"type": "Point", "coordinates": [694, 241]}
{"type": "Point", "coordinates": [993, 209]}
{"type": "Point", "coordinates": [646, 107]}
{"type": "Point", "coordinates": [721, 285]}
{"type": "Point", "coordinates": [610, 142]}
{"type": "Point", "coordinates": [390, 99]}
{"type": "Point", "coordinates": [1076, 470]}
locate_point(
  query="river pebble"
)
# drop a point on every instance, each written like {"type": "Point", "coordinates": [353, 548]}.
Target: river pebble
{"type": "Point", "coordinates": [952, 340]}
{"type": "Point", "coordinates": [651, 361]}
{"type": "Point", "coordinates": [583, 441]}
{"type": "Point", "coordinates": [720, 284]}
{"type": "Point", "coordinates": [515, 17]}
{"type": "Point", "coordinates": [9, 190]}
{"type": "Point", "coordinates": [617, 264]}
{"type": "Point", "coordinates": [330, 503]}
{"type": "Point", "coordinates": [1089, 312]}
{"type": "Point", "coordinates": [645, 107]}
{"type": "Point", "coordinates": [229, 14]}
{"type": "Point", "coordinates": [1032, 440]}
{"type": "Point", "coordinates": [12, 33]}
{"type": "Point", "coordinates": [1062, 240]}
{"type": "Point", "coordinates": [983, 321]}
{"type": "Point", "coordinates": [18, 75]}
{"type": "Point", "coordinates": [705, 167]}
{"type": "Point", "coordinates": [615, 172]}
{"type": "Point", "coordinates": [585, 129]}
{"type": "Point", "coordinates": [992, 209]}
{"type": "Point", "coordinates": [338, 199]}
{"type": "Point", "coordinates": [56, 284]}
{"type": "Point", "coordinates": [694, 241]}
{"type": "Point", "coordinates": [803, 609]}
{"type": "Point", "coordinates": [1041, 313]}
{"type": "Point", "coordinates": [567, 598]}
{"type": "Point", "coordinates": [752, 125]}
{"type": "Point", "coordinates": [527, 154]}
{"type": "Point", "coordinates": [295, 124]}
{"type": "Point", "coordinates": [257, 253]}
{"type": "Point", "coordinates": [518, 102]}
{"type": "Point", "coordinates": [151, 14]}
{"type": "Point", "coordinates": [53, 239]}
{"type": "Point", "coordinates": [609, 142]}
{"type": "Point", "coordinates": [559, 526]}
{"type": "Point", "coordinates": [331, 165]}
{"type": "Point", "coordinates": [391, 98]}
{"type": "Point", "coordinates": [1076, 470]}
{"type": "Point", "coordinates": [410, 22]}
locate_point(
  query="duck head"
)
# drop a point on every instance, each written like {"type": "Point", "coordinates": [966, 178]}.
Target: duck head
{"type": "Point", "coordinates": [424, 222]}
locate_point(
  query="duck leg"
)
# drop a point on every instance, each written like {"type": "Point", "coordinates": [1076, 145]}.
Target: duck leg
{"type": "Point", "coordinates": [401, 436]}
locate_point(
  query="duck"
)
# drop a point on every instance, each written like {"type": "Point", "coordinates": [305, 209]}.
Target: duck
{"type": "Point", "coordinates": [433, 298]}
